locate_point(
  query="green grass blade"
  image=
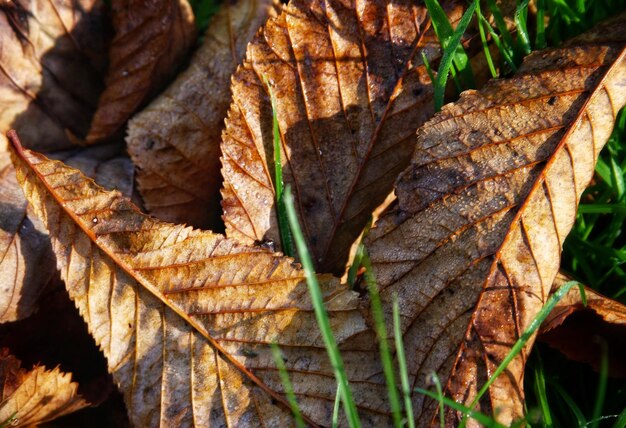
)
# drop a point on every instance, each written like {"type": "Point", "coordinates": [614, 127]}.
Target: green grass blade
{"type": "Point", "coordinates": [381, 334]}
{"type": "Point", "coordinates": [602, 383]}
{"type": "Point", "coordinates": [507, 38]}
{"type": "Point", "coordinates": [335, 421]}
{"type": "Point", "coordinates": [358, 256]}
{"type": "Point", "coordinates": [621, 420]}
{"type": "Point", "coordinates": [445, 32]}
{"type": "Point", "coordinates": [478, 416]}
{"type": "Point", "coordinates": [286, 240]}
{"type": "Point", "coordinates": [506, 54]}
{"type": "Point", "coordinates": [320, 313]}
{"type": "Point", "coordinates": [540, 37]}
{"type": "Point", "coordinates": [448, 55]}
{"type": "Point", "coordinates": [442, 416]}
{"type": "Point", "coordinates": [602, 208]}
{"type": "Point", "coordinates": [485, 43]}
{"type": "Point", "coordinates": [404, 374]}
{"type": "Point", "coordinates": [203, 10]}
{"type": "Point", "coordinates": [284, 378]}
{"type": "Point", "coordinates": [429, 70]}
{"type": "Point", "coordinates": [540, 392]}
{"type": "Point", "coordinates": [570, 403]}
{"type": "Point", "coordinates": [522, 31]}
{"type": "Point", "coordinates": [528, 333]}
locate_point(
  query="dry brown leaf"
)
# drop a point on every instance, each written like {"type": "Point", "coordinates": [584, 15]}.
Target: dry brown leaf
{"type": "Point", "coordinates": [581, 332]}
{"type": "Point", "coordinates": [51, 60]}
{"type": "Point", "coordinates": [31, 397]}
{"type": "Point", "coordinates": [473, 244]}
{"type": "Point", "coordinates": [175, 140]}
{"type": "Point", "coordinates": [27, 262]}
{"type": "Point", "coordinates": [350, 90]}
{"type": "Point", "coordinates": [185, 317]}
{"type": "Point", "coordinates": [151, 39]}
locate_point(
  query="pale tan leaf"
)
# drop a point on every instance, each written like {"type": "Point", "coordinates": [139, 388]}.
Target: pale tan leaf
{"type": "Point", "coordinates": [51, 60]}
{"type": "Point", "coordinates": [151, 40]}
{"type": "Point", "coordinates": [350, 90]}
{"type": "Point", "coordinates": [582, 331]}
{"type": "Point", "coordinates": [31, 397]}
{"type": "Point", "coordinates": [473, 244]}
{"type": "Point", "coordinates": [175, 140]}
{"type": "Point", "coordinates": [185, 317]}
{"type": "Point", "coordinates": [27, 262]}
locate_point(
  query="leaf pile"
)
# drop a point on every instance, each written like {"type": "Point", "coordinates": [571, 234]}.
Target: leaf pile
{"type": "Point", "coordinates": [486, 192]}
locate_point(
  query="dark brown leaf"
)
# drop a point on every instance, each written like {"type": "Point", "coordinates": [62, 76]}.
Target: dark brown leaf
{"type": "Point", "coordinates": [584, 333]}
{"type": "Point", "coordinates": [51, 60]}
{"type": "Point", "coordinates": [151, 40]}
{"type": "Point", "coordinates": [175, 140]}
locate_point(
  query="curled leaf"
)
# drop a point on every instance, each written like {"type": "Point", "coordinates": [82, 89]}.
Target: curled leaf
{"type": "Point", "coordinates": [473, 244]}
{"type": "Point", "coordinates": [31, 397]}
{"type": "Point", "coordinates": [51, 60]}
{"type": "Point", "coordinates": [175, 140]}
{"type": "Point", "coordinates": [186, 318]}
{"type": "Point", "coordinates": [349, 89]}
{"type": "Point", "coordinates": [151, 39]}
{"type": "Point", "coordinates": [580, 330]}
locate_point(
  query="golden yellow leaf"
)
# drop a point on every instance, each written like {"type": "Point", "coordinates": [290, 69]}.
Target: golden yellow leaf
{"type": "Point", "coordinates": [186, 317]}
{"type": "Point", "coordinates": [473, 243]}
{"type": "Point", "coordinates": [31, 397]}
{"type": "Point", "coordinates": [175, 140]}
{"type": "Point", "coordinates": [151, 40]}
{"type": "Point", "coordinates": [350, 90]}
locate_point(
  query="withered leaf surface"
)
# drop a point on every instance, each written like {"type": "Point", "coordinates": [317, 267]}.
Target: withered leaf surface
{"type": "Point", "coordinates": [581, 331]}
{"type": "Point", "coordinates": [473, 244]}
{"type": "Point", "coordinates": [175, 141]}
{"type": "Point", "coordinates": [350, 90]}
{"type": "Point", "coordinates": [52, 57]}
{"type": "Point", "coordinates": [185, 317]}
{"type": "Point", "coordinates": [151, 39]}
{"type": "Point", "coordinates": [27, 262]}
{"type": "Point", "coordinates": [31, 397]}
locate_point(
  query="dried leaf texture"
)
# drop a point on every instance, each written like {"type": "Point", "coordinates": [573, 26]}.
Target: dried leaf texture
{"type": "Point", "coordinates": [27, 262]}
{"type": "Point", "coordinates": [31, 397]}
{"type": "Point", "coordinates": [185, 317]}
{"type": "Point", "coordinates": [581, 332]}
{"type": "Point", "coordinates": [350, 90]}
{"type": "Point", "coordinates": [473, 244]}
{"type": "Point", "coordinates": [151, 39]}
{"type": "Point", "coordinates": [51, 65]}
{"type": "Point", "coordinates": [175, 141]}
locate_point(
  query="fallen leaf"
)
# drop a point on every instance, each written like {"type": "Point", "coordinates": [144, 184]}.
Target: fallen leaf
{"type": "Point", "coordinates": [582, 331]}
{"type": "Point", "coordinates": [151, 39]}
{"type": "Point", "coordinates": [52, 58]}
{"type": "Point", "coordinates": [27, 262]}
{"type": "Point", "coordinates": [350, 90]}
{"type": "Point", "coordinates": [31, 397]}
{"type": "Point", "coordinates": [186, 317]}
{"type": "Point", "coordinates": [473, 244]}
{"type": "Point", "coordinates": [175, 141]}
